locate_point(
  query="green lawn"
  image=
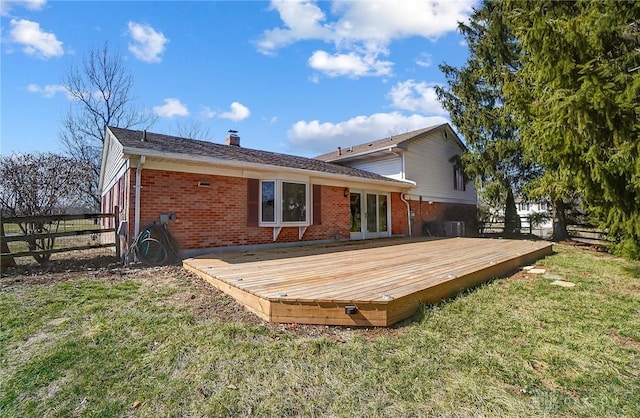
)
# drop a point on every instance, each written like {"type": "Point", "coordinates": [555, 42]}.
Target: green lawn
{"type": "Point", "coordinates": [105, 345]}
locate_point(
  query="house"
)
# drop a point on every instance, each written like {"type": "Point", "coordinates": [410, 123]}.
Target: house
{"type": "Point", "coordinates": [442, 202]}
{"type": "Point", "coordinates": [223, 196]}
{"type": "Point", "coordinates": [214, 197]}
{"type": "Point", "coordinates": [535, 215]}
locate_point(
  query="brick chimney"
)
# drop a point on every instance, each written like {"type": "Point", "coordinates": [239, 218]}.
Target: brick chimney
{"type": "Point", "coordinates": [233, 138]}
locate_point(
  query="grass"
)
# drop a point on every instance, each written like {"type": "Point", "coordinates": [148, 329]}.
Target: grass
{"type": "Point", "coordinates": [514, 347]}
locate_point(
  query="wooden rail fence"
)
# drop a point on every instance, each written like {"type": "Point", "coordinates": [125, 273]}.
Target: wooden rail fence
{"type": "Point", "coordinates": [576, 231]}
{"type": "Point", "coordinates": [50, 227]}
{"type": "Point", "coordinates": [526, 223]}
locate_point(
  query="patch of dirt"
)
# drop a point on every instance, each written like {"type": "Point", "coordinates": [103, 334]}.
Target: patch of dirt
{"type": "Point", "coordinates": [624, 341]}
{"type": "Point", "coordinates": [58, 270]}
{"type": "Point", "coordinates": [587, 246]}
{"type": "Point", "coordinates": [206, 301]}
{"type": "Point", "coordinates": [522, 276]}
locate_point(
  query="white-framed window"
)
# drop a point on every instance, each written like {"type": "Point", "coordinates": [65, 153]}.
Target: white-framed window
{"type": "Point", "coordinates": [268, 202]}
{"type": "Point", "coordinates": [284, 202]}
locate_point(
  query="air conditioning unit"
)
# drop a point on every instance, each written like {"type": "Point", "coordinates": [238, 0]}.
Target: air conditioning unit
{"type": "Point", "coordinates": [454, 228]}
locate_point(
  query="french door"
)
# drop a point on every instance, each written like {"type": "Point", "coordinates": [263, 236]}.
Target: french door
{"type": "Point", "coordinates": [370, 215]}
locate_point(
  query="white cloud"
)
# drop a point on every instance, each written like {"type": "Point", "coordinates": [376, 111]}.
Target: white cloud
{"type": "Point", "coordinates": [148, 44]}
{"type": "Point", "coordinates": [48, 91]}
{"type": "Point", "coordinates": [172, 107]}
{"type": "Point", "coordinates": [302, 20]}
{"type": "Point", "coordinates": [386, 20]}
{"type": "Point", "coordinates": [351, 64]}
{"type": "Point", "coordinates": [34, 40]}
{"type": "Point", "coordinates": [361, 30]}
{"type": "Point", "coordinates": [33, 5]}
{"type": "Point", "coordinates": [416, 97]}
{"type": "Point", "coordinates": [237, 113]}
{"type": "Point", "coordinates": [319, 137]}
{"type": "Point", "coordinates": [424, 60]}
{"type": "Point", "coordinates": [378, 21]}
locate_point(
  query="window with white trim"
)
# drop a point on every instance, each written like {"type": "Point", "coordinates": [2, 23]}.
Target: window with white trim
{"type": "Point", "coordinates": [284, 203]}
{"type": "Point", "coordinates": [268, 202]}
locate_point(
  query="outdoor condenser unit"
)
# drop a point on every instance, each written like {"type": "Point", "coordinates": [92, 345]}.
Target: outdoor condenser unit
{"type": "Point", "coordinates": [454, 228]}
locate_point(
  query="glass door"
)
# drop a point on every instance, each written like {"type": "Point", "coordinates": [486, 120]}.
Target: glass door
{"type": "Point", "coordinates": [372, 216]}
{"type": "Point", "coordinates": [356, 215]}
{"type": "Point", "coordinates": [369, 214]}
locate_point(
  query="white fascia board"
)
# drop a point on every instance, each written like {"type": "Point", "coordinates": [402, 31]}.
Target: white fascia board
{"type": "Point", "coordinates": [401, 184]}
{"type": "Point", "coordinates": [350, 157]}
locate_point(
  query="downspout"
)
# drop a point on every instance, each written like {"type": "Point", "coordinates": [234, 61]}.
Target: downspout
{"type": "Point", "coordinates": [136, 213]}
{"type": "Point", "coordinates": [408, 212]}
{"type": "Point", "coordinates": [404, 177]}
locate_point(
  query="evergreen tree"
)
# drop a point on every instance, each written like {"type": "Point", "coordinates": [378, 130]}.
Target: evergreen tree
{"type": "Point", "coordinates": [511, 219]}
{"type": "Point", "coordinates": [576, 99]}
{"type": "Point", "coordinates": [475, 101]}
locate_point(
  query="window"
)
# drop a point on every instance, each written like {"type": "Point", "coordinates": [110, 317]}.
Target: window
{"type": "Point", "coordinates": [294, 202]}
{"type": "Point", "coordinates": [267, 202]}
{"type": "Point", "coordinates": [458, 178]}
{"type": "Point", "coordinates": [382, 213]}
{"type": "Point", "coordinates": [283, 202]}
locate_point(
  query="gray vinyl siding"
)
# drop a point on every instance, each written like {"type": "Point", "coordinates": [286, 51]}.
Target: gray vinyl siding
{"type": "Point", "coordinates": [428, 163]}
{"type": "Point", "coordinates": [388, 166]}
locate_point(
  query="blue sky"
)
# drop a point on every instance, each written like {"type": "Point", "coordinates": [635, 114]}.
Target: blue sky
{"type": "Point", "coordinates": [299, 77]}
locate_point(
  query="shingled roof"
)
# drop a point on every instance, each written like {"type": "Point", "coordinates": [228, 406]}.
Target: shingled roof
{"type": "Point", "coordinates": [380, 144]}
{"type": "Point", "coordinates": [170, 146]}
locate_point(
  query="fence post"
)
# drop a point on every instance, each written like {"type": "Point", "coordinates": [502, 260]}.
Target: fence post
{"type": "Point", "coordinates": [7, 261]}
{"type": "Point", "coordinates": [116, 218]}
{"type": "Point", "coordinates": [530, 225]}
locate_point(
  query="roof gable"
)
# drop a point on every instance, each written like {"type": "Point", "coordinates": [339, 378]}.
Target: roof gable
{"type": "Point", "coordinates": [172, 146]}
{"type": "Point", "coordinates": [395, 141]}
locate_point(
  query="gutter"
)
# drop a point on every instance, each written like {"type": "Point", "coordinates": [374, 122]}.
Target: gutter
{"type": "Point", "coordinates": [350, 157]}
{"type": "Point", "coordinates": [136, 213]}
{"type": "Point", "coordinates": [408, 212]}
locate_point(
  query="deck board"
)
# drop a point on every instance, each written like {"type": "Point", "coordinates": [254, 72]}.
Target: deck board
{"type": "Point", "coordinates": [313, 284]}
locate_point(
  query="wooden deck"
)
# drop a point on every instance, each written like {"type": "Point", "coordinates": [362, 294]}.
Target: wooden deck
{"type": "Point", "coordinates": [385, 280]}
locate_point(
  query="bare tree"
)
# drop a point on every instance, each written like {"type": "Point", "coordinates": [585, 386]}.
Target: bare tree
{"type": "Point", "coordinates": [193, 130]}
{"type": "Point", "coordinates": [40, 184]}
{"type": "Point", "coordinates": [102, 89]}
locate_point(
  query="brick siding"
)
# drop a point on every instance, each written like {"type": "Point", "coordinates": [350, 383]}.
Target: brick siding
{"type": "Point", "coordinates": [433, 215]}
{"type": "Point", "coordinates": [216, 216]}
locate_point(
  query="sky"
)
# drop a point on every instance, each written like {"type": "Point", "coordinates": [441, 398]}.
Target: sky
{"type": "Point", "coordinates": [297, 77]}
